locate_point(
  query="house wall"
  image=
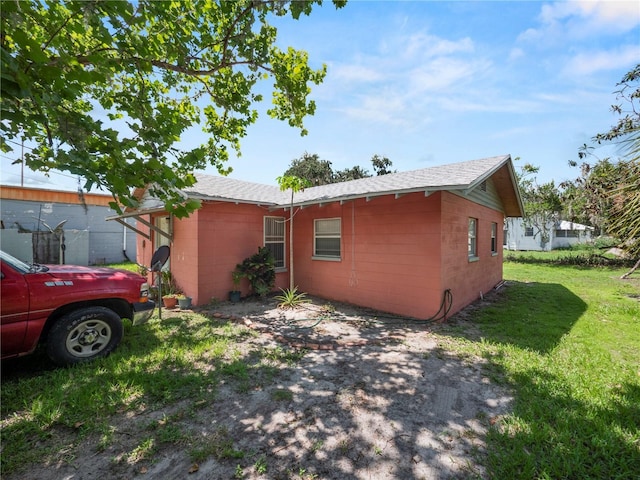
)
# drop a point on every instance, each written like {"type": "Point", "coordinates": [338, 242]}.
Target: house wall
{"type": "Point", "coordinates": [398, 255]}
{"type": "Point", "coordinates": [208, 245]}
{"type": "Point", "coordinates": [584, 236]}
{"type": "Point", "coordinates": [390, 254]}
{"type": "Point", "coordinates": [516, 239]}
{"type": "Point", "coordinates": [469, 279]}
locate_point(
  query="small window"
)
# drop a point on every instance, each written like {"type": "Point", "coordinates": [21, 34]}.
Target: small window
{"type": "Point", "coordinates": [274, 239]}
{"type": "Point", "coordinates": [504, 237]}
{"type": "Point", "coordinates": [528, 232]}
{"type": "Point", "coordinates": [494, 238]}
{"type": "Point", "coordinates": [473, 231]}
{"type": "Point", "coordinates": [327, 238]}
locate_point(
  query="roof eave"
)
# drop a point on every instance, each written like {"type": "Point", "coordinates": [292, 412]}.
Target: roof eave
{"type": "Point", "coordinates": [397, 192]}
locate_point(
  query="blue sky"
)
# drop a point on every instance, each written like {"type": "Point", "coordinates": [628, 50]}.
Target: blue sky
{"type": "Point", "coordinates": [429, 83]}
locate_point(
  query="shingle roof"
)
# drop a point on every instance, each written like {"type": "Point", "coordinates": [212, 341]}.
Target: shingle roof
{"type": "Point", "coordinates": [454, 176]}
{"type": "Point", "coordinates": [224, 188]}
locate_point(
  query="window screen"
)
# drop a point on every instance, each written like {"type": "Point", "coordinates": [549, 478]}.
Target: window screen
{"type": "Point", "coordinates": [473, 226]}
{"type": "Point", "coordinates": [274, 239]}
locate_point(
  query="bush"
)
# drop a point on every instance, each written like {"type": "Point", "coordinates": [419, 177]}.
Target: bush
{"type": "Point", "coordinates": [259, 269]}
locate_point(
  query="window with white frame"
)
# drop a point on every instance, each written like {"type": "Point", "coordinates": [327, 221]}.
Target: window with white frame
{"type": "Point", "coordinates": [274, 239]}
{"type": "Point", "coordinates": [473, 233]}
{"type": "Point", "coordinates": [494, 238]}
{"type": "Point", "coordinates": [326, 238]}
{"type": "Point", "coordinates": [528, 231]}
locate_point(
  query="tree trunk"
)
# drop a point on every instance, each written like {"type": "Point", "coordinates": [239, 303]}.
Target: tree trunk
{"type": "Point", "coordinates": [635, 267]}
{"type": "Point", "coordinates": [291, 282]}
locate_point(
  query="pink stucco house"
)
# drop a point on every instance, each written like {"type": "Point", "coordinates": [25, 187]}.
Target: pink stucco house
{"type": "Point", "coordinates": [400, 243]}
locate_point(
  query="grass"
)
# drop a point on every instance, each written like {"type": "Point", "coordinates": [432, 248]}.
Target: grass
{"type": "Point", "coordinates": [174, 365]}
{"type": "Point", "coordinates": [567, 340]}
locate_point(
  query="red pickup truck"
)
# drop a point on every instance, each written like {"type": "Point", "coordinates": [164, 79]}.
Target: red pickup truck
{"type": "Point", "coordinates": [76, 311]}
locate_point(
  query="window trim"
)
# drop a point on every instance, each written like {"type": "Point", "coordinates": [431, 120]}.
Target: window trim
{"type": "Point", "coordinates": [283, 241]}
{"type": "Point", "coordinates": [494, 238]}
{"type": "Point", "coordinates": [472, 239]}
{"type": "Point", "coordinates": [333, 258]}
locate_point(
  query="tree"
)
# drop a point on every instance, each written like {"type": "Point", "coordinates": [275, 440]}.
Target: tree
{"type": "Point", "coordinates": [381, 165]}
{"type": "Point", "coordinates": [295, 184]}
{"type": "Point", "coordinates": [542, 205]}
{"type": "Point", "coordinates": [319, 172]}
{"type": "Point", "coordinates": [312, 169]}
{"type": "Point", "coordinates": [105, 90]}
{"type": "Point", "coordinates": [587, 199]}
{"type": "Point", "coordinates": [352, 173]}
{"type": "Point", "coordinates": [625, 214]}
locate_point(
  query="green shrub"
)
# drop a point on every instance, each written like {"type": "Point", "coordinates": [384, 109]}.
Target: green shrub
{"type": "Point", "coordinates": [259, 269]}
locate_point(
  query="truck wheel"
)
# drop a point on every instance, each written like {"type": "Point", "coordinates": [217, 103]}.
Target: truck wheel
{"type": "Point", "coordinates": [83, 335]}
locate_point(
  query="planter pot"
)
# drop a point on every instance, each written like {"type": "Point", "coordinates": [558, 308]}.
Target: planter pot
{"type": "Point", "coordinates": [234, 296]}
{"type": "Point", "coordinates": [184, 303]}
{"type": "Point", "coordinates": [169, 302]}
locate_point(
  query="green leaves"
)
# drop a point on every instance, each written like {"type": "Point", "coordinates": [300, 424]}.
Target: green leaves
{"type": "Point", "coordinates": [107, 89]}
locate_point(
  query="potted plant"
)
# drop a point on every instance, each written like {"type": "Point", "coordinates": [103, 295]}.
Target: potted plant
{"type": "Point", "coordinates": [184, 302]}
{"type": "Point", "coordinates": [236, 277]}
{"type": "Point", "coordinates": [169, 300]}
{"type": "Point", "coordinates": [170, 290]}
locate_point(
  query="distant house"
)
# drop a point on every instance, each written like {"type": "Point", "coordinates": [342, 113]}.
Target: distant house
{"type": "Point", "coordinates": [406, 243]}
{"type": "Point", "coordinates": [53, 226]}
{"type": "Point", "coordinates": [518, 235]}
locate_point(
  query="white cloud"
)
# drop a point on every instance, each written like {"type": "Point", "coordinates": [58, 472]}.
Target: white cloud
{"type": "Point", "coordinates": [619, 15]}
{"type": "Point", "coordinates": [515, 54]}
{"type": "Point", "coordinates": [590, 62]}
{"type": "Point", "coordinates": [379, 107]}
{"type": "Point", "coordinates": [581, 19]}
{"type": "Point", "coordinates": [441, 74]}
{"type": "Point", "coordinates": [407, 72]}
{"type": "Point", "coordinates": [421, 45]}
{"type": "Point", "coordinates": [357, 73]}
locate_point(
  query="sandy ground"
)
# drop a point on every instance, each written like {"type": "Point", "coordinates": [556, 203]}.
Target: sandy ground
{"type": "Point", "coordinates": [374, 398]}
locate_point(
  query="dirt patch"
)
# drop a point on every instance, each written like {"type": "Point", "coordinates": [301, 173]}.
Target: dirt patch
{"type": "Point", "coordinates": [373, 397]}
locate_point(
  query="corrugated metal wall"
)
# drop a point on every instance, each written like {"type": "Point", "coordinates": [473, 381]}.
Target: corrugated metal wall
{"type": "Point", "coordinates": [89, 238]}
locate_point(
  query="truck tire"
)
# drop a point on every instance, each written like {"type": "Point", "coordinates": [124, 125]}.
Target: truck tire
{"type": "Point", "coordinates": [83, 335]}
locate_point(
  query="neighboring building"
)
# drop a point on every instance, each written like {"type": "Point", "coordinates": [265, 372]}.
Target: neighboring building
{"type": "Point", "coordinates": [51, 226]}
{"type": "Point", "coordinates": [401, 243]}
{"type": "Point", "coordinates": [518, 235]}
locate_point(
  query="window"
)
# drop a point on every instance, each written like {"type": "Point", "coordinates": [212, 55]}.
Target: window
{"type": "Point", "coordinates": [274, 239]}
{"type": "Point", "coordinates": [326, 238]}
{"type": "Point", "coordinates": [473, 230]}
{"type": "Point", "coordinates": [494, 238]}
{"type": "Point", "coordinates": [528, 231]}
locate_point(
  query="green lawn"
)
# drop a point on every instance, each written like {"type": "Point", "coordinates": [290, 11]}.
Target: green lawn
{"type": "Point", "coordinates": [567, 339]}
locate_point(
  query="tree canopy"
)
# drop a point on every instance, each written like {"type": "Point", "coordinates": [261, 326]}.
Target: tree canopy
{"type": "Point", "coordinates": [319, 172]}
{"type": "Point", "coordinates": [541, 202]}
{"type": "Point", "coordinates": [618, 185]}
{"type": "Point", "coordinates": [106, 90]}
